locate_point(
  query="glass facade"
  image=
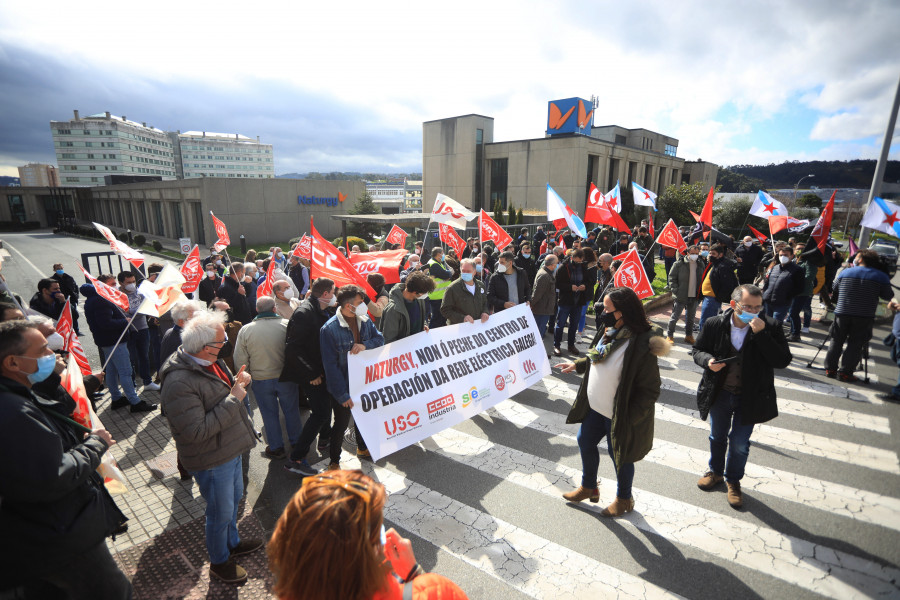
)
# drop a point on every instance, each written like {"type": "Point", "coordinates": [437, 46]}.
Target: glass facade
{"type": "Point", "coordinates": [499, 182]}
{"type": "Point", "coordinates": [479, 168]}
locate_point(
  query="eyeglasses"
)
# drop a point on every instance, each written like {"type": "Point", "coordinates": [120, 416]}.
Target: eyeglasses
{"type": "Point", "coordinates": [354, 487]}
{"type": "Point", "coordinates": [223, 342]}
{"type": "Point", "coordinates": [752, 309]}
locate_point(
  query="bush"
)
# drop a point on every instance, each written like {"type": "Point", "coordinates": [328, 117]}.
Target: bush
{"type": "Point", "coordinates": [352, 241]}
{"type": "Point", "coordinates": [123, 237]}
{"type": "Point", "coordinates": [293, 241]}
{"type": "Point", "coordinates": [262, 255]}
{"type": "Point", "coordinates": [157, 245]}
{"type": "Point", "coordinates": [139, 240]}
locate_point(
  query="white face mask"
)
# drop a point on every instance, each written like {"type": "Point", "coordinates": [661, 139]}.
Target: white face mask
{"type": "Point", "coordinates": [422, 297]}
{"type": "Point", "coordinates": [501, 268]}
{"type": "Point", "coordinates": [784, 259]}
{"type": "Point", "coordinates": [332, 301]}
{"type": "Point", "coordinates": [693, 257]}
{"type": "Point", "coordinates": [55, 341]}
{"type": "Point", "coordinates": [288, 293]}
{"type": "Point", "coordinates": [211, 274]}
{"type": "Point", "coordinates": [130, 288]}
{"type": "Point", "coordinates": [748, 244]}
{"type": "Point", "coordinates": [219, 262]}
{"type": "Point", "coordinates": [361, 309]}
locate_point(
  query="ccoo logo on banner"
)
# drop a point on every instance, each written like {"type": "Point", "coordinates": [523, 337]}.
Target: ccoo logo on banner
{"type": "Point", "coordinates": [413, 388]}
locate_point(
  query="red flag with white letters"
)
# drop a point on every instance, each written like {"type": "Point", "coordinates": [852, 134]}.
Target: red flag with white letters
{"type": "Point", "coordinates": [489, 230]}
{"type": "Point", "coordinates": [71, 344]}
{"type": "Point", "coordinates": [266, 288]}
{"type": "Point", "coordinates": [328, 262]}
{"type": "Point", "coordinates": [304, 248]}
{"type": "Point", "coordinates": [224, 241]}
{"type": "Point", "coordinates": [192, 271]}
{"type": "Point", "coordinates": [385, 262]}
{"type": "Point", "coordinates": [670, 237]}
{"type": "Point", "coordinates": [107, 292]}
{"type": "Point", "coordinates": [631, 274]}
{"type": "Point", "coordinates": [452, 239]}
{"type": "Point", "coordinates": [396, 236]}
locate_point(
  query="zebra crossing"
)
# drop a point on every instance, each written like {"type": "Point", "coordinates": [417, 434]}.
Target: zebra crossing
{"type": "Point", "coordinates": [821, 518]}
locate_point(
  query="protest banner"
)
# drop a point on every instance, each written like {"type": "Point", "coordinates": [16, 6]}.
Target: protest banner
{"type": "Point", "coordinates": [413, 388]}
{"type": "Point", "coordinates": [385, 262]}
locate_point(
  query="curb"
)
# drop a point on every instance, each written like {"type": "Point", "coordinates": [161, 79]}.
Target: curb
{"type": "Point", "coordinates": [659, 301]}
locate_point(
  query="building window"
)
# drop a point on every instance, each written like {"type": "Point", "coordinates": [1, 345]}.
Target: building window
{"type": "Point", "coordinates": [158, 215]}
{"type": "Point", "coordinates": [671, 150]}
{"type": "Point", "coordinates": [661, 185]}
{"type": "Point", "coordinates": [499, 181]}
{"type": "Point", "coordinates": [479, 168]}
{"type": "Point", "coordinates": [176, 219]}
{"type": "Point", "coordinates": [17, 207]}
{"type": "Point", "coordinates": [142, 215]}
{"type": "Point", "coordinates": [198, 223]}
{"type": "Point", "coordinates": [648, 176]}
{"type": "Point", "coordinates": [621, 139]}
{"type": "Point", "coordinates": [632, 167]}
{"type": "Point", "coordinates": [613, 173]}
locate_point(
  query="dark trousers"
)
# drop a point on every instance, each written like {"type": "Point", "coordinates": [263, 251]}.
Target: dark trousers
{"type": "Point", "coordinates": [342, 417]}
{"type": "Point", "coordinates": [318, 422]}
{"type": "Point", "coordinates": [564, 313]}
{"type": "Point", "coordinates": [437, 319]}
{"type": "Point", "coordinates": [155, 341]}
{"type": "Point", "coordinates": [91, 575]}
{"type": "Point", "coordinates": [139, 350]}
{"type": "Point", "coordinates": [856, 331]}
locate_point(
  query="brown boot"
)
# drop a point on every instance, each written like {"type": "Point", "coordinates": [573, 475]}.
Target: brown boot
{"type": "Point", "coordinates": [735, 498]}
{"type": "Point", "coordinates": [619, 507]}
{"type": "Point", "coordinates": [709, 481]}
{"type": "Point", "coordinates": [583, 493]}
{"type": "Point", "coordinates": [228, 571]}
{"type": "Point", "coordinates": [689, 339]}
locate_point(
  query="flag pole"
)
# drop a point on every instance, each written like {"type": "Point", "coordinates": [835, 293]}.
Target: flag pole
{"type": "Point", "coordinates": [880, 166]}
{"type": "Point", "coordinates": [119, 341]}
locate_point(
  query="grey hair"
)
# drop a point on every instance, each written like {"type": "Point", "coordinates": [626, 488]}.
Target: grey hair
{"type": "Point", "coordinates": [249, 266]}
{"type": "Point", "coordinates": [265, 304]}
{"type": "Point", "coordinates": [200, 330]}
{"type": "Point", "coordinates": [751, 289]}
{"type": "Point", "coordinates": [286, 283]}
{"type": "Point", "coordinates": [550, 259]}
{"type": "Point", "coordinates": [185, 309]}
{"type": "Point", "coordinates": [467, 261]}
{"type": "Point", "coordinates": [40, 320]}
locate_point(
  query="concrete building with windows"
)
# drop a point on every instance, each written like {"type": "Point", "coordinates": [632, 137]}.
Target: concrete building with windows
{"type": "Point", "coordinates": [462, 160]}
{"type": "Point", "coordinates": [394, 197]}
{"type": "Point", "coordinates": [231, 155]}
{"type": "Point", "coordinates": [38, 175]}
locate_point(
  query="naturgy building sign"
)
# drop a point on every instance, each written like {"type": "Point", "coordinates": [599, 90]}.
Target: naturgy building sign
{"type": "Point", "coordinates": [328, 201]}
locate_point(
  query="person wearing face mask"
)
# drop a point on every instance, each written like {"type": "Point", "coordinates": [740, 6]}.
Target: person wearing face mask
{"type": "Point", "coordinates": [204, 405]}
{"type": "Point", "coordinates": [413, 264]}
{"type": "Point", "coordinates": [379, 303]}
{"type": "Point", "coordinates": [48, 300]}
{"type": "Point", "coordinates": [739, 351]}
{"type": "Point", "coordinates": [527, 261]}
{"type": "Point", "coordinates": [782, 283]}
{"type": "Point", "coordinates": [571, 281]}
{"type": "Point", "coordinates": [481, 272]}
{"type": "Point", "coordinates": [704, 250]}
{"type": "Point", "coordinates": [802, 302]}
{"type": "Point", "coordinates": [58, 535]}
{"type": "Point", "coordinates": [285, 302]}
{"type": "Point", "coordinates": [139, 338]}
{"type": "Point", "coordinates": [466, 299]}
{"type": "Point", "coordinates": [250, 286]}
{"type": "Point", "coordinates": [69, 289]}
{"type": "Point", "coordinates": [405, 314]}
{"type": "Point", "coordinates": [233, 291]}
{"type": "Point", "coordinates": [749, 255]}
{"type": "Point", "coordinates": [543, 298]}
{"type": "Point", "coordinates": [349, 331]}
{"type": "Point", "coordinates": [716, 282]}
{"type": "Point", "coordinates": [684, 282]}
{"type": "Point", "coordinates": [440, 272]}
{"type": "Point", "coordinates": [509, 286]}
{"type": "Point", "coordinates": [617, 396]}
{"type": "Point", "coordinates": [210, 283]}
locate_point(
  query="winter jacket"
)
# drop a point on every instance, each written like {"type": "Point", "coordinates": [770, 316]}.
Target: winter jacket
{"type": "Point", "coordinates": [604, 240]}
{"type": "Point", "coordinates": [302, 355]}
{"type": "Point", "coordinates": [498, 289]}
{"type": "Point", "coordinates": [761, 354]}
{"type": "Point", "coordinates": [810, 272]}
{"type": "Point", "coordinates": [260, 346]}
{"type": "Point", "coordinates": [395, 318]}
{"type": "Point", "coordinates": [564, 284]}
{"type": "Point", "coordinates": [171, 340]}
{"type": "Point", "coordinates": [55, 505]}
{"type": "Point", "coordinates": [782, 283]}
{"type": "Point", "coordinates": [529, 265]}
{"type": "Point", "coordinates": [104, 318]}
{"type": "Point", "coordinates": [210, 426]}
{"type": "Point", "coordinates": [52, 310]}
{"type": "Point", "coordinates": [336, 339]}
{"type": "Point", "coordinates": [206, 291]}
{"type": "Point", "coordinates": [67, 286]}
{"type": "Point", "coordinates": [543, 298]}
{"type": "Point", "coordinates": [680, 277]}
{"type": "Point", "coordinates": [750, 259]}
{"type": "Point", "coordinates": [240, 307]}
{"type": "Point", "coordinates": [634, 405]}
{"type": "Point", "coordinates": [458, 303]}
{"type": "Point", "coordinates": [721, 278]}
{"type": "Point", "coordinates": [858, 289]}
{"type": "Point", "coordinates": [604, 279]}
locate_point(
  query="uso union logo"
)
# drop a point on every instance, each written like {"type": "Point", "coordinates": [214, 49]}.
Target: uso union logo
{"type": "Point", "coordinates": [402, 424]}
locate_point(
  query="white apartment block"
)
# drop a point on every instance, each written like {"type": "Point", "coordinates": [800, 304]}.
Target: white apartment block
{"type": "Point", "coordinates": [206, 154]}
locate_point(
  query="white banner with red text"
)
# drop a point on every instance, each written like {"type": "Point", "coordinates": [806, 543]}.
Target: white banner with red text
{"type": "Point", "coordinates": [413, 388]}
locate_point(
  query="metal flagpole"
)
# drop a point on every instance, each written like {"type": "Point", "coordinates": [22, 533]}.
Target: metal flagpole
{"type": "Point", "coordinates": [119, 341]}
{"type": "Point", "coordinates": [875, 190]}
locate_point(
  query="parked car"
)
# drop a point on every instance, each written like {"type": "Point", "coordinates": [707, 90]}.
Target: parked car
{"type": "Point", "coordinates": [888, 254]}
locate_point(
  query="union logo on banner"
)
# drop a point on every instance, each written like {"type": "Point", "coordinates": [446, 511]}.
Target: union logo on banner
{"type": "Point", "coordinates": [670, 237]}
{"type": "Point", "coordinates": [452, 239]}
{"type": "Point", "coordinates": [489, 230]}
{"type": "Point", "coordinates": [304, 248]}
{"type": "Point", "coordinates": [631, 274]}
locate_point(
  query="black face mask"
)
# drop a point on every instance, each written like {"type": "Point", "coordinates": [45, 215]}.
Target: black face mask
{"type": "Point", "coordinates": [608, 319]}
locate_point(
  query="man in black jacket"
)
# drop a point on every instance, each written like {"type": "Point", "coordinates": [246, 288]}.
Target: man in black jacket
{"type": "Point", "coordinates": [526, 260]}
{"type": "Point", "coordinates": [781, 284]}
{"type": "Point", "coordinates": [717, 282]}
{"type": "Point", "coordinates": [749, 255]}
{"type": "Point", "coordinates": [56, 512]}
{"type": "Point", "coordinates": [509, 286]}
{"type": "Point", "coordinates": [571, 282]}
{"type": "Point", "coordinates": [211, 281]}
{"type": "Point", "coordinates": [303, 365]}
{"type": "Point", "coordinates": [233, 292]}
{"type": "Point", "coordinates": [69, 289]}
{"type": "Point", "coordinates": [739, 351]}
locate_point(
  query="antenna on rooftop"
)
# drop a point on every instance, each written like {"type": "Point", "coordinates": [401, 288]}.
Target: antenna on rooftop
{"type": "Point", "coordinates": [595, 101]}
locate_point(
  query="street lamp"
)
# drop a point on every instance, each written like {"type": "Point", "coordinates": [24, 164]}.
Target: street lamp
{"type": "Point", "coordinates": [797, 185]}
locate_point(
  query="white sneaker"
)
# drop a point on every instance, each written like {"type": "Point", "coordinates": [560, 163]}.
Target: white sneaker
{"type": "Point", "coordinates": [151, 387]}
{"type": "Point", "coordinates": [804, 330]}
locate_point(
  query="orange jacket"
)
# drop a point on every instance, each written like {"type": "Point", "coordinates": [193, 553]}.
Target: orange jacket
{"type": "Point", "coordinates": [429, 586]}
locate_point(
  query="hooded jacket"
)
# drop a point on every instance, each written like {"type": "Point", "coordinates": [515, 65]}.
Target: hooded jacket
{"type": "Point", "coordinates": [680, 277]}
{"type": "Point", "coordinates": [634, 405]}
{"type": "Point", "coordinates": [395, 318]}
{"type": "Point", "coordinates": [104, 318]}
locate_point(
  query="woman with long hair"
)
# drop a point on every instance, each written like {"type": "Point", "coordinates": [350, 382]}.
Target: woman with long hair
{"type": "Point", "coordinates": [617, 396]}
{"type": "Point", "coordinates": [330, 544]}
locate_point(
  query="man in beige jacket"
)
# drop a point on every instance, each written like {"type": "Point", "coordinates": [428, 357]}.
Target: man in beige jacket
{"type": "Point", "coordinates": [260, 346]}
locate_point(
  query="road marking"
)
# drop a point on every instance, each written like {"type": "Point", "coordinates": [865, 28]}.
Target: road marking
{"type": "Point", "coordinates": [817, 568]}
{"type": "Point", "coordinates": [25, 258]}
{"type": "Point", "coordinates": [836, 498]}
{"type": "Point", "coordinates": [529, 563]}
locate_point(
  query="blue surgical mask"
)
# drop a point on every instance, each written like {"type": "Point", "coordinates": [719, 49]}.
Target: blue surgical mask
{"type": "Point", "coordinates": [704, 253]}
{"type": "Point", "coordinates": [45, 365]}
{"type": "Point", "coordinates": [526, 255]}
{"type": "Point", "coordinates": [479, 268]}
{"type": "Point", "coordinates": [746, 317]}
{"type": "Point", "coordinates": [60, 272]}
{"type": "Point", "coordinates": [467, 277]}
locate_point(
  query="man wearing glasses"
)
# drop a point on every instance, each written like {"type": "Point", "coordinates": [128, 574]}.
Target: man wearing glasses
{"type": "Point", "coordinates": [739, 351]}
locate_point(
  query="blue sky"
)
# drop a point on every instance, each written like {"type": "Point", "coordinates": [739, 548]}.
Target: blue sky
{"type": "Point", "coordinates": [346, 86]}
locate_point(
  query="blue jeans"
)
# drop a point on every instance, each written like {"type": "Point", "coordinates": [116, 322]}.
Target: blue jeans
{"type": "Point", "coordinates": [270, 394]}
{"type": "Point", "coordinates": [727, 432]}
{"type": "Point", "coordinates": [437, 319]}
{"type": "Point", "coordinates": [566, 313]}
{"type": "Point", "coordinates": [594, 428]}
{"type": "Point", "coordinates": [583, 318]}
{"type": "Point", "coordinates": [542, 321]}
{"type": "Point", "coordinates": [800, 303]}
{"type": "Point", "coordinates": [318, 422]}
{"type": "Point", "coordinates": [709, 308]}
{"type": "Point", "coordinates": [118, 372]}
{"type": "Point", "coordinates": [677, 308]}
{"type": "Point", "coordinates": [139, 349]}
{"type": "Point", "coordinates": [222, 488]}
{"type": "Point", "coordinates": [779, 312]}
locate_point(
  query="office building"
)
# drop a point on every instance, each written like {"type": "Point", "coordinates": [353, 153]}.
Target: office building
{"type": "Point", "coordinates": [206, 154]}
{"type": "Point", "coordinates": [396, 196]}
{"type": "Point", "coordinates": [38, 175]}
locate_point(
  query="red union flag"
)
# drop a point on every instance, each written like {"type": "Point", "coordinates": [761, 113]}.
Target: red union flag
{"type": "Point", "coordinates": [782, 222]}
{"type": "Point", "coordinates": [107, 292]}
{"type": "Point", "coordinates": [594, 213]}
{"type": "Point", "coordinates": [304, 248]}
{"type": "Point", "coordinates": [386, 262]}
{"type": "Point", "coordinates": [670, 237]}
{"type": "Point", "coordinates": [762, 239]}
{"type": "Point", "coordinates": [452, 239]}
{"type": "Point", "coordinates": [71, 344]}
{"type": "Point", "coordinates": [489, 230]}
{"type": "Point", "coordinates": [396, 236]}
{"type": "Point", "coordinates": [266, 289]}
{"type": "Point", "coordinates": [121, 248]}
{"type": "Point", "coordinates": [631, 274]}
{"type": "Point", "coordinates": [192, 271]}
{"type": "Point", "coordinates": [224, 241]}
{"type": "Point", "coordinates": [328, 262]}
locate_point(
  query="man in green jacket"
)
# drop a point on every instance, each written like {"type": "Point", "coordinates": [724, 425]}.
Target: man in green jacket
{"type": "Point", "coordinates": [684, 282]}
{"type": "Point", "coordinates": [405, 314]}
{"type": "Point", "coordinates": [802, 301]}
{"type": "Point", "coordinates": [465, 299]}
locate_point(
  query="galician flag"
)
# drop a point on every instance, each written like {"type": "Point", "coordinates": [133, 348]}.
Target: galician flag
{"type": "Point", "coordinates": [558, 210]}
{"type": "Point", "coordinates": [766, 206]}
{"type": "Point", "coordinates": [614, 198]}
{"type": "Point", "coordinates": [883, 216]}
{"type": "Point", "coordinates": [643, 196]}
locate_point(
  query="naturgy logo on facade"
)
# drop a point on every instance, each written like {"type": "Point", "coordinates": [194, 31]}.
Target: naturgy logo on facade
{"type": "Point", "coordinates": [328, 201]}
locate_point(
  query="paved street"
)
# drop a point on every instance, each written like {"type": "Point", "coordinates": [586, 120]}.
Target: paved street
{"type": "Point", "coordinates": [481, 502]}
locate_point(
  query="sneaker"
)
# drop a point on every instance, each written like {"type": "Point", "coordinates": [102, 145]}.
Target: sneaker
{"type": "Point", "coordinates": [143, 406]}
{"type": "Point", "coordinates": [276, 453]}
{"type": "Point", "coordinates": [151, 387]}
{"type": "Point", "coordinates": [848, 377]}
{"type": "Point", "coordinates": [670, 339]}
{"type": "Point", "coordinates": [830, 373]}
{"type": "Point", "coordinates": [735, 498]}
{"type": "Point", "coordinates": [804, 330]}
{"type": "Point", "coordinates": [301, 468]}
{"type": "Point", "coordinates": [119, 403]}
{"type": "Point", "coordinates": [709, 481]}
{"type": "Point", "coordinates": [688, 339]}
{"type": "Point", "coordinates": [363, 453]}
{"type": "Point", "coordinates": [246, 547]}
{"type": "Point", "coordinates": [228, 571]}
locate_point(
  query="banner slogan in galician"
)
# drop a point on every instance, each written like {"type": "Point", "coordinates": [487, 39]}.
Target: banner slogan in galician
{"type": "Point", "coordinates": [411, 389]}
